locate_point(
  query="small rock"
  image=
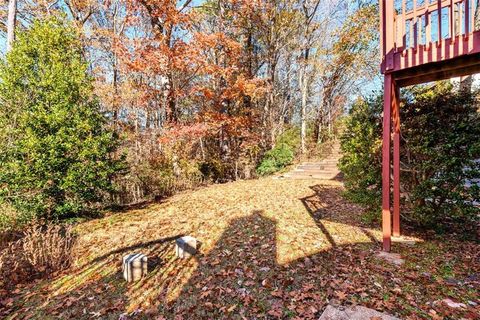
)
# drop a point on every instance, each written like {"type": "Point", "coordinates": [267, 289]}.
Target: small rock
{"type": "Point", "coordinates": [404, 240]}
{"type": "Point", "coordinates": [239, 272]}
{"type": "Point", "coordinates": [432, 312]}
{"type": "Point", "coordinates": [394, 258]}
{"type": "Point", "coordinates": [451, 281]}
{"type": "Point", "coordinates": [243, 292]}
{"type": "Point", "coordinates": [397, 290]}
{"type": "Point", "coordinates": [452, 304]}
{"type": "Point", "coordinates": [353, 313]}
{"type": "Point", "coordinates": [472, 303]}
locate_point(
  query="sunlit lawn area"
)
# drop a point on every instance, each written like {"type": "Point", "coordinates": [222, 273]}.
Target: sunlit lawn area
{"type": "Point", "coordinates": [270, 248]}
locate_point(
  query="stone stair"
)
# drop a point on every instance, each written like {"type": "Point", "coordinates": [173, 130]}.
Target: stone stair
{"type": "Point", "coordinates": [325, 169]}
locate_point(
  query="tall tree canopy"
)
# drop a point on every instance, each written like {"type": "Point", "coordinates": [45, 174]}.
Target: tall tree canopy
{"type": "Point", "coordinates": [202, 90]}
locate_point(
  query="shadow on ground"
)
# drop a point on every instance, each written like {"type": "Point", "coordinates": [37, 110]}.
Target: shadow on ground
{"type": "Point", "coordinates": [241, 277]}
{"type": "Point", "coordinates": [244, 274]}
{"type": "Point", "coordinates": [327, 204]}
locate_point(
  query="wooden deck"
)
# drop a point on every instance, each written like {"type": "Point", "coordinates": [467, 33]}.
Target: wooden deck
{"type": "Point", "coordinates": [420, 41]}
{"type": "Point", "coordinates": [427, 40]}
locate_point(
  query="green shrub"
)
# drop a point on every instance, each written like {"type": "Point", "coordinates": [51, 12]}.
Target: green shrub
{"type": "Point", "coordinates": [440, 130]}
{"type": "Point", "coordinates": [55, 147]}
{"type": "Point", "coordinates": [362, 151]}
{"type": "Point", "coordinates": [267, 167]}
{"type": "Point", "coordinates": [291, 138]}
{"type": "Point", "coordinates": [282, 155]}
{"type": "Point", "coordinates": [276, 159]}
{"type": "Point", "coordinates": [9, 218]}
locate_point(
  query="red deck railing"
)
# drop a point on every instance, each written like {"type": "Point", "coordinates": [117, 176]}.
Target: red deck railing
{"type": "Point", "coordinates": [416, 32]}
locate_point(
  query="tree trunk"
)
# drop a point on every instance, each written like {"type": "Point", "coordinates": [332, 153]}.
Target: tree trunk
{"type": "Point", "coordinates": [318, 125]}
{"type": "Point", "coordinates": [304, 91]}
{"type": "Point", "coordinates": [329, 120]}
{"type": "Point", "coordinates": [12, 18]}
{"type": "Point", "coordinates": [115, 73]}
{"type": "Point", "coordinates": [303, 114]}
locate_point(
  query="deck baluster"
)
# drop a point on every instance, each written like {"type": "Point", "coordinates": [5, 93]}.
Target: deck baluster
{"type": "Point", "coordinates": [452, 21]}
{"type": "Point", "coordinates": [439, 8]}
{"type": "Point", "coordinates": [428, 26]}
{"type": "Point", "coordinates": [467, 18]}
{"type": "Point", "coordinates": [402, 22]}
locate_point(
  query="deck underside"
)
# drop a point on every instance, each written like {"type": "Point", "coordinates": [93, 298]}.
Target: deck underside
{"type": "Point", "coordinates": [460, 66]}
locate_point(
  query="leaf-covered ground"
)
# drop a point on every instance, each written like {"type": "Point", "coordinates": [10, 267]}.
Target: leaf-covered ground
{"type": "Point", "coordinates": [270, 249]}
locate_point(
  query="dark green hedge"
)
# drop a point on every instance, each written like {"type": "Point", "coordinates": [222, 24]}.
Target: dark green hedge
{"type": "Point", "coordinates": [440, 142]}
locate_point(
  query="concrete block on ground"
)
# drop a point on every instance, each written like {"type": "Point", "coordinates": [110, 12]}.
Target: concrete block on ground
{"type": "Point", "coordinates": [186, 247]}
{"type": "Point", "coordinates": [405, 240]}
{"type": "Point", "coordinates": [391, 257]}
{"type": "Point", "coordinates": [353, 313]}
{"type": "Point", "coordinates": [134, 266]}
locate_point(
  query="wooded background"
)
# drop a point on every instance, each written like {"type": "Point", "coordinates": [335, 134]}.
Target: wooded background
{"type": "Point", "coordinates": [200, 90]}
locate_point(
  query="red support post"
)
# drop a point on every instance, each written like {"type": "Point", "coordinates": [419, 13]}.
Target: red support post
{"type": "Point", "coordinates": [386, 218]}
{"type": "Point", "coordinates": [396, 162]}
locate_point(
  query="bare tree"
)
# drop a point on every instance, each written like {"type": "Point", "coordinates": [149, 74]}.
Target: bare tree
{"type": "Point", "coordinates": [12, 18]}
{"type": "Point", "coordinates": [309, 10]}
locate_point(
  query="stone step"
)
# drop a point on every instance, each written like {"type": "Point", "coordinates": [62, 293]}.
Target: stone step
{"type": "Point", "coordinates": [319, 169]}
{"type": "Point", "coordinates": [319, 177]}
{"type": "Point", "coordinates": [325, 169]}
{"type": "Point", "coordinates": [311, 174]}
{"type": "Point", "coordinates": [321, 165]}
{"type": "Point", "coordinates": [314, 171]}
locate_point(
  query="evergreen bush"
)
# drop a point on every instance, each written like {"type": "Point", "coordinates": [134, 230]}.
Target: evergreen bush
{"type": "Point", "coordinates": [276, 159]}
{"type": "Point", "coordinates": [55, 145]}
{"type": "Point", "coordinates": [439, 148]}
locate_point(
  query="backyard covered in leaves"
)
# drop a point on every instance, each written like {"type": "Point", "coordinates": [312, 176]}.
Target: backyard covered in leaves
{"type": "Point", "coordinates": [270, 249]}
